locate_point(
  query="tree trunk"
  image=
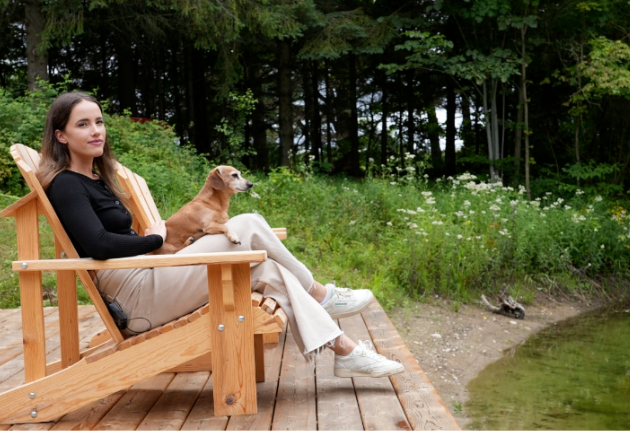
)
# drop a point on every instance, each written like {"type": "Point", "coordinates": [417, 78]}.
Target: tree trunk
{"type": "Point", "coordinates": [329, 119]}
{"type": "Point", "coordinates": [200, 101]}
{"type": "Point", "coordinates": [307, 89]}
{"type": "Point", "coordinates": [316, 121]}
{"type": "Point", "coordinates": [518, 133]}
{"type": "Point", "coordinates": [126, 77]}
{"type": "Point", "coordinates": [525, 111]}
{"type": "Point", "coordinates": [198, 132]}
{"type": "Point", "coordinates": [161, 111]}
{"type": "Point", "coordinates": [259, 127]}
{"type": "Point", "coordinates": [433, 129]}
{"type": "Point", "coordinates": [384, 119]}
{"type": "Point", "coordinates": [411, 125]}
{"type": "Point", "coordinates": [285, 111]}
{"type": "Point", "coordinates": [496, 142]}
{"type": "Point", "coordinates": [175, 72]}
{"type": "Point", "coordinates": [449, 151]}
{"type": "Point", "coordinates": [37, 61]}
{"type": "Point", "coordinates": [490, 121]}
{"type": "Point", "coordinates": [354, 118]}
{"type": "Point", "coordinates": [467, 130]}
{"type": "Point", "coordinates": [104, 90]}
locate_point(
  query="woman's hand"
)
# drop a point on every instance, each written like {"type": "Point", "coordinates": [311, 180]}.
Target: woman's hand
{"type": "Point", "coordinates": [158, 228]}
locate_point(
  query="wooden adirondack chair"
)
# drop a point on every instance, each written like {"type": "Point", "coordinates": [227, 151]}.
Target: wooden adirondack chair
{"type": "Point", "coordinates": [223, 331]}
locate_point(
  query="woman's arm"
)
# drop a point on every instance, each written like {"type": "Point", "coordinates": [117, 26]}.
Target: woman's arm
{"type": "Point", "coordinates": [73, 200]}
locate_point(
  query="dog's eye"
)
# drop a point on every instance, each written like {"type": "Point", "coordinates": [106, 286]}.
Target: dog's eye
{"type": "Point", "coordinates": [235, 175]}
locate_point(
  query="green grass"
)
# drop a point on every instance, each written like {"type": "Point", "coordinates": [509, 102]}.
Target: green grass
{"type": "Point", "coordinates": [408, 239]}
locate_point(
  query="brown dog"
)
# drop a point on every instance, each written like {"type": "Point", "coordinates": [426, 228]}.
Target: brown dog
{"type": "Point", "coordinates": [207, 213]}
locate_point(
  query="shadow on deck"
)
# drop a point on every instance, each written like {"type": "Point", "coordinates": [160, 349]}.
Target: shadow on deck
{"type": "Point", "coordinates": [295, 396]}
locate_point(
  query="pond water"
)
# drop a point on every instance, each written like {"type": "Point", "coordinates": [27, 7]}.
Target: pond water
{"type": "Point", "coordinates": [572, 376]}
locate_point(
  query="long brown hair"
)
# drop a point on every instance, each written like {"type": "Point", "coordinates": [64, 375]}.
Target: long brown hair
{"type": "Point", "coordinates": [56, 156]}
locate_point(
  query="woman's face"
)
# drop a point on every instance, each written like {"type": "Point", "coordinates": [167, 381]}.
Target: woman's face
{"type": "Point", "coordinates": [84, 133]}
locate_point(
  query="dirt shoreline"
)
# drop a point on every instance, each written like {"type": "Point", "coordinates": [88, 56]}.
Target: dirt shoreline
{"type": "Point", "coordinates": [453, 347]}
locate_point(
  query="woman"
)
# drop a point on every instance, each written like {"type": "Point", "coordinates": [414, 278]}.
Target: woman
{"type": "Point", "coordinates": [77, 171]}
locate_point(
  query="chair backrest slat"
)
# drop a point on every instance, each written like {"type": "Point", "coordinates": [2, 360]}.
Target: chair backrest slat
{"type": "Point", "coordinates": [144, 210]}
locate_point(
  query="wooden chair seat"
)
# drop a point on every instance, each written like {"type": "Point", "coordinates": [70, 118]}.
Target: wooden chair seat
{"type": "Point", "coordinates": [227, 334]}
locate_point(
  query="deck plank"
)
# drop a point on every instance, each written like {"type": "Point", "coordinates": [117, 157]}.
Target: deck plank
{"type": "Point", "coordinates": [12, 372]}
{"type": "Point", "coordinates": [43, 426]}
{"type": "Point", "coordinates": [135, 404]}
{"type": "Point", "coordinates": [11, 337]}
{"type": "Point", "coordinates": [424, 408]}
{"type": "Point", "coordinates": [172, 408]}
{"type": "Point", "coordinates": [337, 405]}
{"type": "Point", "coordinates": [89, 416]}
{"type": "Point", "coordinates": [295, 403]}
{"type": "Point", "coordinates": [379, 405]}
{"type": "Point", "coordinates": [201, 417]}
{"type": "Point", "coordinates": [10, 316]}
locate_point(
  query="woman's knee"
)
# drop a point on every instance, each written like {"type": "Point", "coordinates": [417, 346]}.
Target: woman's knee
{"type": "Point", "coordinates": [249, 220]}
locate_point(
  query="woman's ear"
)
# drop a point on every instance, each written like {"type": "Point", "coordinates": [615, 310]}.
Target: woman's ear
{"type": "Point", "coordinates": [60, 138]}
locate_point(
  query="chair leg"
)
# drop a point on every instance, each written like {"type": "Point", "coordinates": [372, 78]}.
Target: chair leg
{"type": "Point", "coordinates": [232, 337]}
{"type": "Point", "coordinates": [259, 349]}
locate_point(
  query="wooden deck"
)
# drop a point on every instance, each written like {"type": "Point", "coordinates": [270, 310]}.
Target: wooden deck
{"type": "Point", "coordinates": [295, 396]}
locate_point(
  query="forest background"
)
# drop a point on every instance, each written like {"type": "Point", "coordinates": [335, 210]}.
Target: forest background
{"type": "Point", "coordinates": [332, 106]}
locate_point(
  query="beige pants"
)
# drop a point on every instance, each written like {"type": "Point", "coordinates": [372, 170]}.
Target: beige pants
{"type": "Point", "coordinates": [153, 297]}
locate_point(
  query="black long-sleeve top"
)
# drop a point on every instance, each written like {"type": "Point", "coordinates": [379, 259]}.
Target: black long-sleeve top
{"type": "Point", "coordinates": [96, 221]}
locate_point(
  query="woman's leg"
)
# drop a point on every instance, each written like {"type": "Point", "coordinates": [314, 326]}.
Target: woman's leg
{"type": "Point", "coordinates": [152, 297]}
{"type": "Point", "coordinates": [256, 234]}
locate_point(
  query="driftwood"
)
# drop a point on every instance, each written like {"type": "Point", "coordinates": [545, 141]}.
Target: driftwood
{"type": "Point", "coordinates": [509, 307]}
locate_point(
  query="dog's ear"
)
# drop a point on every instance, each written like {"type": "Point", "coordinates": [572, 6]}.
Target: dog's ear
{"type": "Point", "coordinates": [216, 180]}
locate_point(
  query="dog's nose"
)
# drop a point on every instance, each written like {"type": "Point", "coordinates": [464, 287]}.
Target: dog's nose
{"type": "Point", "coordinates": [249, 185]}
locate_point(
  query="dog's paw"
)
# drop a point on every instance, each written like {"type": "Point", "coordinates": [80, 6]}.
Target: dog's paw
{"type": "Point", "coordinates": [233, 238]}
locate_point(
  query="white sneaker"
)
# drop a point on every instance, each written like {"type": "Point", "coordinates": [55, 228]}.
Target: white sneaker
{"type": "Point", "coordinates": [345, 302]}
{"type": "Point", "coordinates": [365, 362]}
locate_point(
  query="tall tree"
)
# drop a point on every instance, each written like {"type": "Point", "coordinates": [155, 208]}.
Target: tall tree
{"type": "Point", "coordinates": [36, 56]}
{"type": "Point", "coordinates": [285, 98]}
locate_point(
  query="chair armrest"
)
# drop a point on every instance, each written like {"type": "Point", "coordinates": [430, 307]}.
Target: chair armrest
{"type": "Point", "coordinates": [140, 261]}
